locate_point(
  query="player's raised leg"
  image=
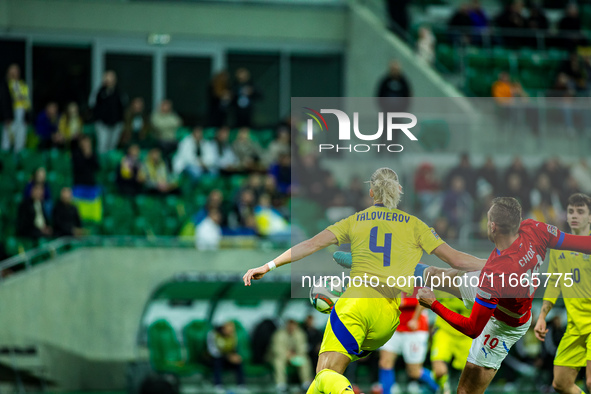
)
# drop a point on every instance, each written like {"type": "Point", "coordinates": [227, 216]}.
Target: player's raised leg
{"type": "Point", "coordinates": [329, 374]}
{"type": "Point", "coordinates": [475, 379]}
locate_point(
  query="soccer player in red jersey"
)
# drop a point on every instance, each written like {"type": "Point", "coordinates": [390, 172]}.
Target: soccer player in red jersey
{"type": "Point", "coordinates": [503, 292]}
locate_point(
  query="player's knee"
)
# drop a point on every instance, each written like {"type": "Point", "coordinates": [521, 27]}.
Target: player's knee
{"type": "Point", "coordinates": [588, 384]}
{"type": "Point", "coordinates": [560, 385]}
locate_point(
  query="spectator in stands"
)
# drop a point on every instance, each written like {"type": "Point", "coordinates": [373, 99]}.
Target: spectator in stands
{"type": "Point", "coordinates": [208, 232]}
{"type": "Point", "coordinates": [502, 89]}
{"type": "Point", "coordinates": [130, 175]}
{"type": "Point", "coordinates": [428, 188]}
{"type": "Point", "coordinates": [516, 188]}
{"type": "Point", "coordinates": [555, 171]}
{"type": "Point", "coordinates": [165, 123]}
{"type": "Point", "coordinates": [314, 338]}
{"type": "Point", "coordinates": [69, 126]}
{"type": "Point", "coordinates": [457, 205]}
{"type": "Point", "coordinates": [477, 15]}
{"type": "Point", "coordinates": [289, 347]}
{"type": "Point", "coordinates": [574, 68]}
{"type": "Point", "coordinates": [581, 172]}
{"type": "Point", "coordinates": [32, 219]}
{"type": "Point", "coordinates": [85, 164]}
{"type": "Point", "coordinates": [46, 126]}
{"type": "Point", "coordinates": [461, 19]}
{"type": "Point", "coordinates": [215, 200]}
{"type": "Point", "coordinates": [15, 133]}
{"type": "Point", "coordinates": [158, 178]}
{"type": "Point", "coordinates": [465, 171]}
{"type": "Point", "coordinates": [399, 20]}
{"type": "Point", "coordinates": [269, 221]}
{"type": "Point", "coordinates": [223, 158]}
{"type": "Point", "coordinates": [39, 177]}
{"type": "Point", "coordinates": [488, 173]}
{"type": "Point", "coordinates": [255, 184]}
{"type": "Point", "coordinates": [6, 109]}
{"type": "Point", "coordinates": [220, 99]}
{"type": "Point", "coordinates": [545, 202]}
{"type": "Point", "coordinates": [195, 156]}
{"type": "Point", "coordinates": [280, 145]}
{"type": "Point", "coordinates": [270, 188]}
{"type": "Point", "coordinates": [394, 93]}
{"type": "Point", "coordinates": [244, 209]}
{"type": "Point", "coordinates": [518, 168]}
{"type": "Point", "coordinates": [66, 220]}
{"type": "Point", "coordinates": [355, 193]}
{"type": "Point", "coordinates": [222, 344]}
{"type": "Point", "coordinates": [244, 96]}
{"type": "Point", "coordinates": [136, 127]}
{"type": "Point", "coordinates": [108, 113]}
{"type": "Point", "coordinates": [570, 27]}
{"type": "Point", "coordinates": [537, 19]}
{"type": "Point", "coordinates": [565, 89]}
{"type": "Point", "coordinates": [426, 45]}
{"type": "Point", "coordinates": [512, 16]}
{"type": "Point", "coordinates": [247, 151]}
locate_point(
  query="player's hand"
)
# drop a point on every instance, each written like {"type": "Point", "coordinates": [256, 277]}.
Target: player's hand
{"type": "Point", "coordinates": [541, 330]}
{"type": "Point", "coordinates": [426, 297]}
{"type": "Point", "coordinates": [255, 274]}
{"type": "Point", "coordinates": [413, 324]}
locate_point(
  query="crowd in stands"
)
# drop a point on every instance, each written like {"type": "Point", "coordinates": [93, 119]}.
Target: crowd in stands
{"type": "Point", "coordinates": [291, 345]}
{"type": "Point", "coordinates": [157, 153]}
{"type": "Point", "coordinates": [470, 22]}
{"type": "Point", "coordinates": [459, 201]}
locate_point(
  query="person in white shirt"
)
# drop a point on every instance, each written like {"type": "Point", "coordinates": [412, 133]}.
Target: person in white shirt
{"type": "Point", "coordinates": [194, 155]}
{"type": "Point", "coordinates": [208, 233]}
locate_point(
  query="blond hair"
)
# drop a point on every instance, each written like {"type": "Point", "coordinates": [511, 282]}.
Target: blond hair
{"type": "Point", "coordinates": [386, 188]}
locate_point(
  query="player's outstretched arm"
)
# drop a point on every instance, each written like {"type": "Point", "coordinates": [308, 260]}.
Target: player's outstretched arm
{"type": "Point", "coordinates": [576, 243]}
{"type": "Point", "coordinates": [540, 328]}
{"type": "Point", "coordinates": [470, 326]}
{"type": "Point", "coordinates": [458, 260]}
{"type": "Point", "coordinates": [298, 252]}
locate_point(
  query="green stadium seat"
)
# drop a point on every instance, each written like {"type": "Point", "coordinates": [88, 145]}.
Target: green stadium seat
{"type": "Point", "coordinates": [57, 181]}
{"type": "Point", "coordinates": [60, 161]}
{"type": "Point", "coordinates": [8, 162]}
{"type": "Point", "coordinates": [446, 55]}
{"type": "Point", "coordinates": [165, 349]}
{"type": "Point", "coordinates": [209, 133]}
{"type": "Point", "coordinates": [110, 160]}
{"type": "Point", "coordinates": [504, 59]}
{"type": "Point", "coordinates": [182, 132]}
{"type": "Point", "coordinates": [480, 83]}
{"type": "Point", "coordinates": [195, 338]}
{"type": "Point", "coordinates": [535, 80]}
{"type": "Point", "coordinates": [30, 160]}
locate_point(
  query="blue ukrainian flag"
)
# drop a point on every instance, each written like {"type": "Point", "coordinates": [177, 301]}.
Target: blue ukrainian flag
{"type": "Point", "coordinates": [89, 203]}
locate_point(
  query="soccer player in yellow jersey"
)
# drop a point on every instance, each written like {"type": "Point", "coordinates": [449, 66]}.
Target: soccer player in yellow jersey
{"type": "Point", "coordinates": [574, 351]}
{"type": "Point", "coordinates": [448, 343]}
{"type": "Point", "coordinates": [385, 243]}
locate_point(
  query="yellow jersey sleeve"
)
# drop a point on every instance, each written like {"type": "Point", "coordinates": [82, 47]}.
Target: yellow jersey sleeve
{"type": "Point", "coordinates": [426, 237]}
{"type": "Point", "coordinates": [552, 291]}
{"type": "Point", "coordinates": [341, 230]}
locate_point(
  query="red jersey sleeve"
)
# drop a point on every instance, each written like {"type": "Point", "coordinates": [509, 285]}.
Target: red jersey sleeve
{"type": "Point", "coordinates": [471, 326]}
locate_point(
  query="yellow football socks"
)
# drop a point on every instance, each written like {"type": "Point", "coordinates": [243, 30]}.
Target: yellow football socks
{"type": "Point", "coordinates": [328, 381]}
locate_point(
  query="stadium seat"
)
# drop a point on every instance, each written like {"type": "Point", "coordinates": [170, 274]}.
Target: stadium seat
{"type": "Point", "coordinates": [195, 339]}
{"type": "Point", "coordinates": [165, 350]}
{"type": "Point", "coordinates": [29, 160]}
{"type": "Point", "coordinates": [446, 55]}
{"type": "Point", "coordinates": [7, 162]}
{"type": "Point", "coordinates": [60, 161]}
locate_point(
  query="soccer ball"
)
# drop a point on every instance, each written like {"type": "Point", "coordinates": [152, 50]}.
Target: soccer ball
{"type": "Point", "coordinates": [323, 298]}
